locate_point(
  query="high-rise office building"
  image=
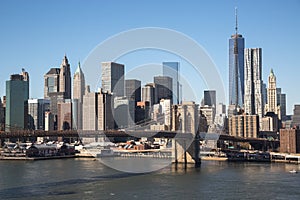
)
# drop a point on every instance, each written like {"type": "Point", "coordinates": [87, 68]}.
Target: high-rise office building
{"type": "Point", "coordinates": [57, 88]}
{"type": "Point", "coordinates": [281, 102]}
{"type": "Point", "coordinates": [171, 69]}
{"type": "Point", "coordinates": [65, 78]}
{"type": "Point", "coordinates": [105, 111]}
{"type": "Point", "coordinates": [264, 94]}
{"type": "Point", "coordinates": [124, 114]}
{"type": "Point", "coordinates": [36, 113]}
{"type": "Point", "coordinates": [133, 90]}
{"type": "Point", "coordinates": [64, 117]}
{"type": "Point", "coordinates": [78, 84]}
{"type": "Point", "coordinates": [78, 92]}
{"type": "Point", "coordinates": [236, 69]}
{"type": "Point", "coordinates": [148, 93]}
{"type": "Point", "coordinates": [272, 94]}
{"type": "Point", "coordinates": [209, 98]}
{"type": "Point", "coordinates": [113, 78]}
{"type": "Point", "coordinates": [209, 112]}
{"type": "Point", "coordinates": [51, 79]}
{"type": "Point", "coordinates": [98, 111]}
{"type": "Point", "coordinates": [253, 101]}
{"type": "Point", "coordinates": [90, 111]}
{"type": "Point", "coordinates": [17, 95]}
{"type": "Point", "coordinates": [163, 88]}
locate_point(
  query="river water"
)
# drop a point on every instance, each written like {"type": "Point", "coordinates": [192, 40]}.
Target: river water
{"type": "Point", "coordinates": [90, 179]}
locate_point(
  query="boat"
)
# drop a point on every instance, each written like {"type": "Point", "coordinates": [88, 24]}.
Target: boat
{"type": "Point", "coordinates": [293, 171]}
{"type": "Point", "coordinates": [106, 153]}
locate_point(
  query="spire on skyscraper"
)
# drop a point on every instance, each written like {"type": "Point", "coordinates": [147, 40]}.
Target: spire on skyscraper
{"type": "Point", "coordinates": [272, 72]}
{"type": "Point", "coordinates": [78, 70]}
{"type": "Point", "coordinates": [236, 21]}
{"type": "Point", "coordinates": [65, 61]}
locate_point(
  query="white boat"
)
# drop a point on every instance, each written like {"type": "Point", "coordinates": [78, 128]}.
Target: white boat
{"type": "Point", "coordinates": [106, 153]}
{"type": "Point", "coordinates": [293, 171]}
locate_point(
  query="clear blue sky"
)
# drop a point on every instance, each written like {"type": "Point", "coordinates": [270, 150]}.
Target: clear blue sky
{"type": "Point", "coordinates": [35, 35]}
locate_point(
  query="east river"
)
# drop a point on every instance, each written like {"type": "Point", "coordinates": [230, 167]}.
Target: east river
{"type": "Point", "coordinates": [90, 179]}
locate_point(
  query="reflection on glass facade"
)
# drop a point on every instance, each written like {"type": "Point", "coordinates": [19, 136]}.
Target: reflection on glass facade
{"type": "Point", "coordinates": [171, 69]}
{"type": "Point", "coordinates": [239, 72]}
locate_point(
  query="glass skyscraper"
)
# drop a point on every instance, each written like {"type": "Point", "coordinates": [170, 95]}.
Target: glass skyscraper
{"type": "Point", "coordinates": [171, 69]}
{"type": "Point", "coordinates": [236, 61]}
{"type": "Point", "coordinates": [17, 95]}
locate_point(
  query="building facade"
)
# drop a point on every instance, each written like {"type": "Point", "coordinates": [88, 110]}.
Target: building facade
{"type": "Point", "coordinates": [246, 126]}
{"type": "Point", "coordinates": [148, 94]}
{"type": "Point", "coordinates": [51, 82]}
{"type": "Point", "coordinates": [124, 114]}
{"type": "Point", "coordinates": [171, 69]}
{"type": "Point", "coordinates": [65, 114]}
{"type": "Point", "coordinates": [113, 78]}
{"type": "Point", "coordinates": [253, 101]}
{"type": "Point", "coordinates": [105, 111]}
{"type": "Point", "coordinates": [210, 98]}
{"type": "Point", "coordinates": [281, 101]}
{"type": "Point", "coordinates": [272, 94]}
{"type": "Point", "coordinates": [90, 111]}
{"type": "Point", "coordinates": [65, 78]}
{"type": "Point", "coordinates": [17, 95]}
{"type": "Point", "coordinates": [296, 116]}
{"type": "Point", "coordinates": [133, 90]}
{"type": "Point", "coordinates": [236, 69]}
{"type": "Point", "coordinates": [163, 88]}
{"type": "Point", "coordinates": [36, 113]}
{"type": "Point", "coordinates": [290, 140]}
{"type": "Point", "coordinates": [78, 92]}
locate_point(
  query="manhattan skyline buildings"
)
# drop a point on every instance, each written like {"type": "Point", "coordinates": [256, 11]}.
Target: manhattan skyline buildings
{"type": "Point", "coordinates": [261, 30]}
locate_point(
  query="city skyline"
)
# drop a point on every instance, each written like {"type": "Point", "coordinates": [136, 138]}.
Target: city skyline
{"type": "Point", "coordinates": [38, 44]}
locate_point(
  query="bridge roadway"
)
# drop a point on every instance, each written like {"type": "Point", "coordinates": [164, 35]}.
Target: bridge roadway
{"type": "Point", "coordinates": [122, 133]}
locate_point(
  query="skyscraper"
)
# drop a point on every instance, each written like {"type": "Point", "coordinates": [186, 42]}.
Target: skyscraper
{"type": "Point", "coordinates": [171, 69]}
{"type": "Point", "coordinates": [148, 93]}
{"type": "Point", "coordinates": [210, 98]}
{"type": "Point", "coordinates": [163, 88]}
{"type": "Point", "coordinates": [57, 88]}
{"type": "Point", "coordinates": [51, 80]}
{"type": "Point", "coordinates": [36, 113]}
{"type": "Point", "coordinates": [78, 92]}
{"type": "Point", "coordinates": [78, 84]}
{"type": "Point", "coordinates": [133, 90]}
{"type": "Point", "coordinates": [90, 111]}
{"type": "Point", "coordinates": [281, 102]}
{"type": "Point", "coordinates": [253, 82]}
{"type": "Point", "coordinates": [236, 68]}
{"type": "Point", "coordinates": [113, 78]}
{"type": "Point", "coordinates": [98, 111]}
{"type": "Point", "coordinates": [17, 95]}
{"type": "Point", "coordinates": [272, 94]}
{"type": "Point", "coordinates": [65, 78]}
{"type": "Point", "coordinates": [64, 117]}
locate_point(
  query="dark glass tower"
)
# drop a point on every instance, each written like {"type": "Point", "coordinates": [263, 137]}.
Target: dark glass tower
{"type": "Point", "coordinates": [171, 69]}
{"type": "Point", "coordinates": [236, 69]}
